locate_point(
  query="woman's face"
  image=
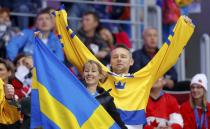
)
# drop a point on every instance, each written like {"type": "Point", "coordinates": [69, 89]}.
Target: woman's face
{"type": "Point", "coordinates": [197, 91]}
{"type": "Point", "coordinates": [105, 34]}
{"type": "Point", "coordinates": [91, 75]}
{"type": "Point", "coordinates": [4, 73]}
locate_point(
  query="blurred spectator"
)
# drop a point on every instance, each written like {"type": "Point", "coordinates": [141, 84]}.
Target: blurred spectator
{"type": "Point", "coordinates": [107, 36]}
{"type": "Point", "coordinates": [115, 38]}
{"type": "Point", "coordinates": [90, 37]}
{"type": "Point", "coordinates": [77, 10]}
{"type": "Point", "coordinates": [6, 30]}
{"type": "Point", "coordinates": [143, 56]}
{"type": "Point", "coordinates": [23, 75]}
{"type": "Point", "coordinates": [22, 84]}
{"type": "Point", "coordinates": [24, 42]}
{"type": "Point", "coordinates": [104, 12]}
{"type": "Point", "coordinates": [22, 6]}
{"type": "Point", "coordinates": [162, 109]}
{"type": "Point", "coordinates": [196, 111]}
{"type": "Point", "coordinates": [9, 115]}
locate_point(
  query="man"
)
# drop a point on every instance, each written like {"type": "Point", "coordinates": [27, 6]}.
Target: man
{"type": "Point", "coordinates": [126, 88]}
{"type": "Point", "coordinates": [90, 38]}
{"type": "Point", "coordinates": [143, 56]}
{"type": "Point", "coordinates": [162, 109]}
{"type": "Point", "coordinates": [23, 43]}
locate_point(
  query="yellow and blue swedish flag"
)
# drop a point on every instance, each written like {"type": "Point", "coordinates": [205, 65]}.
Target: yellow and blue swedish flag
{"type": "Point", "coordinates": [59, 100]}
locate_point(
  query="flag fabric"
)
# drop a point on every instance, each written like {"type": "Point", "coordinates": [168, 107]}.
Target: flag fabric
{"type": "Point", "coordinates": [59, 100]}
{"type": "Point", "coordinates": [130, 92]}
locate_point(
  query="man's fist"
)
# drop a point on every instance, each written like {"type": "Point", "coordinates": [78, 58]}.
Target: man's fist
{"type": "Point", "coordinates": [9, 91]}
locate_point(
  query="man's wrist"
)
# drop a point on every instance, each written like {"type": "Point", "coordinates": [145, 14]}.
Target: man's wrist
{"type": "Point", "coordinates": [8, 98]}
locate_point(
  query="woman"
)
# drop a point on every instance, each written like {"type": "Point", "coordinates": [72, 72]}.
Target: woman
{"type": "Point", "coordinates": [9, 115]}
{"type": "Point", "coordinates": [92, 73]}
{"type": "Point", "coordinates": [196, 111]}
{"type": "Point", "coordinates": [115, 38]}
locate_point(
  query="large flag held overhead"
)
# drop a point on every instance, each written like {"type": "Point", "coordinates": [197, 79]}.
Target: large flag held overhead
{"type": "Point", "coordinates": [59, 100]}
{"type": "Point", "coordinates": [130, 92]}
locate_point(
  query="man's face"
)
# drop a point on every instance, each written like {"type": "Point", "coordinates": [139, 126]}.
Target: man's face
{"type": "Point", "coordinates": [150, 37]}
{"type": "Point", "coordinates": [89, 23]}
{"type": "Point", "coordinates": [44, 22]}
{"type": "Point", "coordinates": [121, 60]}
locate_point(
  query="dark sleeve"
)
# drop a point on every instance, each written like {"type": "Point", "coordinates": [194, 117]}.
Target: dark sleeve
{"type": "Point", "coordinates": [137, 58]}
{"type": "Point", "coordinates": [172, 74]}
{"type": "Point", "coordinates": [112, 110]}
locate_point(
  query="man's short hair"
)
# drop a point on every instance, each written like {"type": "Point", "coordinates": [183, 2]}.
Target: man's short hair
{"type": "Point", "coordinates": [47, 10]}
{"type": "Point", "coordinates": [124, 47]}
{"type": "Point", "coordinates": [149, 28]}
{"type": "Point", "coordinates": [94, 14]}
{"type": "Point", "coordinates": [119, 45]}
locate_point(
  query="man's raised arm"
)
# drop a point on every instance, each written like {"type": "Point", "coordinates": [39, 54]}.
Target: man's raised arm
{"type": "Point", "coordinates": [169, 53]}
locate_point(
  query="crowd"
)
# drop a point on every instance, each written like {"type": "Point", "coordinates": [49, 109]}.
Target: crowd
{"type": "Point", "coordinates": [113, 50]}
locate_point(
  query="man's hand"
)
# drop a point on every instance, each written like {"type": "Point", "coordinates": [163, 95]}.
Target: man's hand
{"type": "Point", "coordinates": [9, 91]}
{"type": "Point", "coordinates": [188, 20]}
{"type": "Point", "coordinates": [37, 33]}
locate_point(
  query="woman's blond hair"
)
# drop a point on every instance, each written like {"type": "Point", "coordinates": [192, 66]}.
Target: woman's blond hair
{"type": "Point", "coordinates": [204, 102]}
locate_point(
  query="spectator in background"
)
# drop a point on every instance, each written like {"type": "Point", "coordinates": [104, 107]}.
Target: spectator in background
{"type": "Point", "coordinates": [6, 31]}
{"type": "Point", "coordinates": [9, 115]}
{"type": "Point", "coordinates": [143, 56]}
{"type": "Point", "coordinates": [91, 38]}
{"type": "Point", "coordinates": [162, 109]}
{"type": "Point", "coordinates": [104, 12]}
{"type": "Point", "coordinates": [22, 84]}
{"type": "Point", "coordinates": [24, 42]}
{"type": "Point", "coordinates": [23, 75]}
{"type": "Point", "coordinates": [114, 38]}
{"type": "Point", "coordinates": [196, 111]}
{"type": "Point", "coordinates": [77, 10]}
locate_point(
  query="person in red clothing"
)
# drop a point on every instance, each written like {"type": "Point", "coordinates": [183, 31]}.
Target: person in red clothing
{"type": "Point", "coordinates": [22, 79]}
{"type": "Point", "coordinates": [162, 110]}
{"type": "Point", "coordinates": [196, 111]}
